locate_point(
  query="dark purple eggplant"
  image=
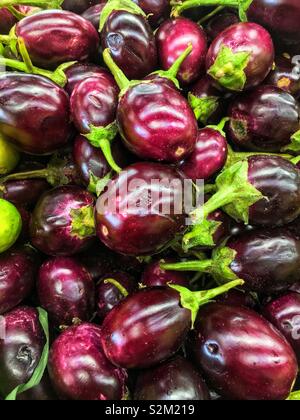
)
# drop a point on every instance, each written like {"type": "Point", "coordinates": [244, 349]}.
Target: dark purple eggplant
{"type": "Point", "coordinates": [155, 276]}
{"type": "Point", "coordinates": [92, 14]}
{"type": "Point", "coordinates": [285, 76]}
{"type": "Point", "coordinates": [78, 6]}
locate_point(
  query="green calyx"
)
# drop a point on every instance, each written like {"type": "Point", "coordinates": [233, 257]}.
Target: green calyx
{"type": "Point", "coordinates": [42, 365]}
{"type": "Point", "coordinates": [180, 6]}
{"type": "Point", "coordinates": [113, 5]}
{"type": "Point", "coordinates": [115, 283]}
{"type": "Point", "coordinates": [83, 222]}
{"type": "Point", "coordinates": [194, 300]}
{"type": "Point", "coordinates": [17, 45]}
{"type": "Point", "coordinates": [102, 137]}
{"type": "Point", "coordinates": [171, 74]}
{"type": "Point", "coordinates": [43, 4]}
{"type": "Point", "coordinates": [294, 145]}
{"type": "Point", "coordinates": [201, 233]}
{"type": "Point", "coordinates": [10, 225]}
{"type": "Point", "coordinates": [203, 107]}
{"type": "Point", "coordinates": [229, 69]}
{"type": "Point", "coordinates": [234, 194]}
{"type": "Point", "coordinates": [97, 185]}
{"type": "Point", "coordinates": [220, 127]}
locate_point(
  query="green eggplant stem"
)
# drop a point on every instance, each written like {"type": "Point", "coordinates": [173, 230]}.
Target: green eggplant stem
{"type": "Point", "coordinates": [118, 74]}
{"type": "Point", "coordinates": [117, 285]}
{"type": "Point", "coordinates": [174, 69]}
{"type": "Point", "coordinates": [39, 173]}
{"type": "Point", "coordinates": [203, 266]}
{"type": "Point", "coordinates": [211, 15]}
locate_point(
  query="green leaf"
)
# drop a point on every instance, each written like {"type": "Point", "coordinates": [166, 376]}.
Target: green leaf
{"type": "Point", "coordinates": [294, 145]}
{"type": "Point", "coordinates": [228, 69]}
{"type": "Point", "coordinates": [203, 107]}
{"type": "Point", "coordinates": [83, 222]}
{"type": "Point", "coordinates": [113, 5]}
{"type": "Point", "coordinates": [41, 367]}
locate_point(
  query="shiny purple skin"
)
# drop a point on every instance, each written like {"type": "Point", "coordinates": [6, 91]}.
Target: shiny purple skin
{"type": "Point", "coordinates": [156, 10]}
{"type": "Point", "coordinates": [21, 349]}
{"type": "Point", "coordinates": [280, 17]}
{"type": "Point", "coordinates": [268, 260]}
{"type": "Point", "coordinates": [34, 113]}
{"type": "Point", "coordinates": [173, 38]}
{"type": "Point", "coordinates": [18, 270]}
{"type": "Point", "coordinates": [176, 379]}
{"type": "Point", "coordinates": [138, 226]}
{"type": "Point", "coordinates": [145, 329]}
{"type": "Point", "coordinates": [157, 123]}
{"type": "Point", "coordinates": [285, 77]}
{"type": "Point", "coordinates": [7, 21]}
{"type": "Point", "coordinates": [81, 71]}
{"type": "Point", "coordinates": [272, 132]}
{"type": "Point", "coordinates": [66, 291]}
{"type": "Point", "coordinates": [278, 180]}
{"type": "Point", "coordinates": [24, 192]}
{"type": "Point", "coordinates": [155, 276]}
{"type": "Point", "coordinates": [237, 298]}
{"type": "Point", "coordinates": [219, 23]}
{"type": "Point", "coordinates": [78, 6]}
{"type": "Point", "coordinates": [131, 42]}
{"type": "Point", "coordinates": [54, 37]}
{"type": "Point", "coordinates": [98, 261]}
{"type": "Point", "coordinates": [204, 88]}
{"type": "Point", "coordinates": [223, 230]}
{"type": "Point", "coordinates": [243, 356]}
{"type": "Point", "coordinates": [52, 220]}
{"type": "Point", "coordinates": [90, 160]}
{"type": "Point", "coordinates": [94, 102]}
{"type": "Point", "coordinates": [108, 295]}
{"type": "Point", "coordinates": [208, 158]}
{"type": "Point", "coordinates": [79, 369]}
{"type": "Point", "coordinates": [284, 314]}
{"type": "Point", "coordinates": [93, 13]}
{"type": "Point", "coordinates": [246, 37]}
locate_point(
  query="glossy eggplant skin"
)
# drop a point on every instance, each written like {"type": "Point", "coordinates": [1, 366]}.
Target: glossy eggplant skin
{"type": "Point", "coordinates": [79, 369]}
{"type": "Point", "coordinates": [66, 291]}
{"type": "Point", "coordinates": [81, 71]}
{"type": "Point", "coordinates": [78, 6]}
{"type": "Point", "coordinates": [284, 314]}
{"type": "Point", "coordinates": [208, 158]}
{"type": "Point", "coordinates": [94, 102]}
{"type": "Point", "coordinates": [269, 134]}
{"type": "Point", "coordinates": [281, 17]}
{"type": "Point", "coordinates": [7, 21]}
{"type": "Point", "coordinates": [145, 329]}
{"type": "Point", "coordinates": [156, 10]}
{"type": "Point", "coordinates": [93, 13]}
{"type": "Point", "coordinates": [52, 230]}
{"type": "Point", "coordinates": [108, 295]}
{"type": "Point", "coordinates": [131, 43]}
{"type": "Point", "coordinates": [219, 23]}
{"type": "Point", "coordinates": [242, 355]}
{"type": "Point", "coordinates": [137, 226]}
{"type": "Point", "coordinates": [279, 180]}
{"type": "Point", "coordinates": [176, 379]}
{"type": "Point", "coordinates": [21, 349]}
{"type": "Point", "coordinates": [268, 260]}
{"type": "Point", "coordinates": [285, 77]}
{"type": "Point", "coordinates": [54, 37]}
{"type": "Point", "coordinates": [246, 37]}
{"type": "Point", "coordinates": [173, 38]}
{"type": "Point", "coordinates": [24, 192]}
{"type": "Point", "coordinates": [35, 113]}
{"type": "Point", "coordinates": [155, 276]}
{"type": "Point", "coordinates": [18, 270]}
{"type": "Point", "coordinates": [157, 123]}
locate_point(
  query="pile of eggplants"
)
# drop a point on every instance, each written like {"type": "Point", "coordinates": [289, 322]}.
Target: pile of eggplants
{"type": "Point", "coordinates": [149, 200]}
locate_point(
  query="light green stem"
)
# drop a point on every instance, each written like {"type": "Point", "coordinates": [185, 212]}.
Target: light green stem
{"type": "Point", "coordinates": [211, 15]}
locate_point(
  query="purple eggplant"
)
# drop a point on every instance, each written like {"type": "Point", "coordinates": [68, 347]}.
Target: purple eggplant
{"type": "Point", "coordinates": [66, 291]}
{"type": "Point", "coordinates": [217, 24]}
{"type": "Point", "coordinates": [18, 270]}
{"type": "Point", "coordinates": [7, 21]}
{"type": "Point", "coordinates": [54, 37]}
{"type": "Point", "coordinates": [24, 192]}
{"type": "Point", "coordinates": [78, 6]}
{"type": "Point", "coordinates": [92, 14]}
{"type": "Point", "coordinates": [155, 276]}
{"type": "Point", "coordinates": [155, 120]}
{"type": "Point", "coordinates": [238, 298]}
{"type": "Point", "coordinates": [26, 218]}
{"type": "Point", "coordinates": [243, 356]}
{"type": "Point", "coordinates": [136, 216]}
{"type": "Point", "coordinates": [268, 260]}
{"type": "Point", "coordinates": [129, 37]}
{"type": "Point", "coordinates": [284, 314]}
{"type": "Point", "coordinates": [81, 71]}
{"type": "Point", "coordinates": [285, 76]}
{"type": "Point", "coordinates": [94, 104]}
{"type": "Point", "coordinates": [176, 379]}
{"type": "Point", "coordinates": [63, 221]}
{"type": "Point", "coordinates": [98, 261]}
{"type": "Point", "coordinates": [112, 289]}
{"type": "Point", "coordinates": [79, 369]}
{"type": "Point", "coordinates": [173, 37]}
{"type": "Point", "coordinates": [276, 131]}
{"type": "Point", "coordinates": [34, 113]}
{"type": "Point", "coordinates": [151, 325]}
{"type": "Point", "coordinates": [156, 10]}
{"type": "Point", "coordinates": [241, 57]}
